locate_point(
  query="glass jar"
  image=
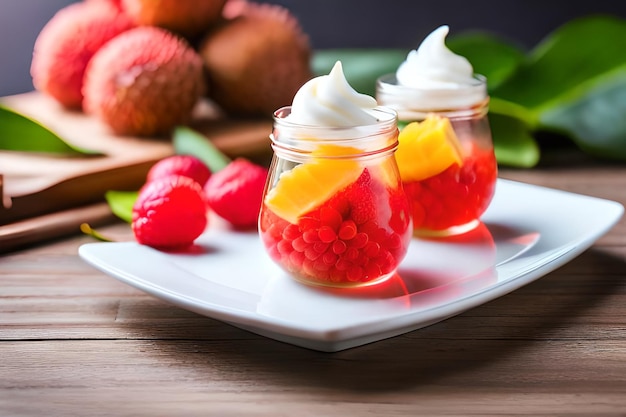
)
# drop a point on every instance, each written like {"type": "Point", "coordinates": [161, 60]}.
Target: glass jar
{"type": "Point", "coordinates": [334, 212]}
{"type": "Point", "coordinates": [451, 201]}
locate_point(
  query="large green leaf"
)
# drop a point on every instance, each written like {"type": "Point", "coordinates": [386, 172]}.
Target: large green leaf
{"type": "Point", "coordinates": [513, 141]}
{"type": "Point", "coordinates": [595, 118]}
{"type": "Point", "coordinates": [490, 55]}
{"type": "Point", "coordinates": [21, 133]}
{"type": "Point", "coordinates": [577, 51]}
{"type": "Point", "coordinates": [361, 66]}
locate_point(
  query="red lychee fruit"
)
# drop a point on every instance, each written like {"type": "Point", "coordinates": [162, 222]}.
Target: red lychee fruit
{"type": "Point", "coordinates": [235, 193]}
{"type": "Point", "coordinates": [144, 82]}
{"type": "Point", "coordinates": [66, 44]}
{"type": "Point", "coordinates": [116, 3]}
{"type": "Point", "coordinates": [169, 213]}
{"type": "Point", "coordinates": [185, 17]}
{"type": "Point", "coordinates": [256, 61]}
{"type": "Point", "coordinates": [186, 165]}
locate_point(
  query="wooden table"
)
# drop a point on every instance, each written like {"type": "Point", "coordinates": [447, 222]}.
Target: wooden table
{"type": "Point", "coordinates": [75, 342]}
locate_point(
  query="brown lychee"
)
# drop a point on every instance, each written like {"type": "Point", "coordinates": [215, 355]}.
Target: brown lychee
{"type": "Point", "coordinates": [67, 43]}
{"type": "Point", "coordinates": [257, 60]}
{"type": "Point", "coordinates": [185, 17]}
{"type": "Point", "coordinates": [144, 82]}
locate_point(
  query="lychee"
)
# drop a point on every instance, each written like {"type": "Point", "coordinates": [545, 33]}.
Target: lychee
{"type": "Point", "coordinates": [257, 60]}
{"type": "Point", "coordinates": [185, 17]}
{"type": "Point", "coordinates": [169, 213]}
{"type": "Point", "coordinates": [235, 193]}
{"type": "Point", "coordinates": [185, 165]}
{"type": "Point", "coordinates": [116, 3]}
{"type": "Point", "coordinates": [144, 82]}
{"type": "Point", "coordinates": [66, 44]}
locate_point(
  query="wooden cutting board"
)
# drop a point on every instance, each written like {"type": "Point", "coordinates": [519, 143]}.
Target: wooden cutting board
{"type": "Point", "coordinates": [35, 186]}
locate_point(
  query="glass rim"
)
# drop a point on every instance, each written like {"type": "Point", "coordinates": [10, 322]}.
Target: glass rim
{"type": "Point", "coordinates": [389, 122]}
{"type": "Point", "coordinates": [390, 80]}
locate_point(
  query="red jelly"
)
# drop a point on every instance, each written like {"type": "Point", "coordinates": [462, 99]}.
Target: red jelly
{"type": "Point", "coordinates": [358, 236]}
{"type": "Point", "coordinates": [456, 197]}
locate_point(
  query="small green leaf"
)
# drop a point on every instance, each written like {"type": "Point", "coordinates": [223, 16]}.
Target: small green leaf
{"type": "Point", "coordinates": [513, 142]}
{"type": "Point", "coordinates": [121, 203]}
{"type": "Point", "coordinates": [362, 67]}
{"type": "Point", "coordinates": [491, 56]}
{"type": "Point", "coordinates": [21, 133]}
{"type": "Point", "coordinates": [189, 142]}
{"type": "Point", "coordinates": [89, 231]}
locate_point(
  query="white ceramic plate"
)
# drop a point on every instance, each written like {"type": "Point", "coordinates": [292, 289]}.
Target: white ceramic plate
{"type": "Point", "coordinates": [527, 232]}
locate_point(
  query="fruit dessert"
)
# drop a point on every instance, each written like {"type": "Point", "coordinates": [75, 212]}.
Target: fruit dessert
{"type": "Point", "coordinates": [445, 156]}
{"type": "Point", "coordinates": [334, 212]}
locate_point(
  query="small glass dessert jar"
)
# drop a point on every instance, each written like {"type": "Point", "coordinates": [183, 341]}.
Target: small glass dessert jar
{"type": "Point", "coordinates": [446, 159]}
{"type": "Point", "coordinates": [334, 212]}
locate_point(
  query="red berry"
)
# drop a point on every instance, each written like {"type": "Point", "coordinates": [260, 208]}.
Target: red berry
{"type": "Point", "coordinates": [186, 165]}
{"type": "Point", "coordinates": [169, 213]}
{"type": "Point", "coordinates": [235, 193]}
{"type": "Point", "coordinates": [362, 196]}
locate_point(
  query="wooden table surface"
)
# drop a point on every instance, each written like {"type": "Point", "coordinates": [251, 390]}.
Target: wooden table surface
{"type": "Point", "coordinates": [76, 342]}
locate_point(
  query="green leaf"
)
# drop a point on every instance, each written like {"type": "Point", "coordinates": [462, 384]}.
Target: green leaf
{"type": "Point", "coordinates": [362, 67]}
{"type": "Point", "coordinates": [21, 133]}
{"type": "Point", "coordinates": [490, 55]}
{"type": "Point", "coordinates": [121, 203]}
{"type": "Point", "coordinates": [513, 142]}
{"type": "Point", "coordinates": [581, 49]}
{"type": "Point", "coordinates": [513, 110]}
{"type": "Point", "coordinates": [596, 118]}
{"type": "Point", "coordinates": [190, 142]}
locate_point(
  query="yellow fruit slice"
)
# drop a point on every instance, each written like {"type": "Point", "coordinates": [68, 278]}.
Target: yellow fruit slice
{"type": "Point", "coordinates": [427, 148]}
{"type": "Point", "coordinates": [311, 183]}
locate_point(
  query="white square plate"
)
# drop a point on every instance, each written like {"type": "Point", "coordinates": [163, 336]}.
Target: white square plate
{"type": "Point", "coordinates": [527, 232]}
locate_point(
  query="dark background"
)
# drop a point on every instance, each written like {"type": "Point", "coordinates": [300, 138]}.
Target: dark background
{"type": "Point", "coordinates": [335, 24]}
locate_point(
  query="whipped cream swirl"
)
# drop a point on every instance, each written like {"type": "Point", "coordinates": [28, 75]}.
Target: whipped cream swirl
{"type": "Point", "coordinates": [439, 78]}
{"type": "Point", "coordinates": [433, 65]}
{"type": "Point", "coordinates": [330, 101]}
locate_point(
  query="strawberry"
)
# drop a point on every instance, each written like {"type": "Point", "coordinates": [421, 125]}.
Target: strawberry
{"type": "Point", "coordinates": [169, 213]}
{"type": "Point", "coordinates": [235, 192]}
{"type": "Point", "coordinates": [186, 165]}
{"type": "Point", "coordinates": [363, 198]}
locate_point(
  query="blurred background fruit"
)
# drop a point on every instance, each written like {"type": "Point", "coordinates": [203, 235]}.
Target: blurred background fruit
{"type": "Point", "coordinates": [66, 44]}
{"type": "Point", "coordinates": [144, 82]}
{"type": "Point", "coordinates": [257, 60]}
{"type": "Point", "coordinates": [188, 18]}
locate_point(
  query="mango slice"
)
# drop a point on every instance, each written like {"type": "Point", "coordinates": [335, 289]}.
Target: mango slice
{"type": "Point", "coordinates": [427, 148]}
{"type": "Point", "coordinates": [313, 182]}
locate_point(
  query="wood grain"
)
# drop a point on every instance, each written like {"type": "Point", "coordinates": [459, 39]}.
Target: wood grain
{"type": "Point", "coordinates": [75, 342]}
{"type": "Point", "coordinates": [39, 193]}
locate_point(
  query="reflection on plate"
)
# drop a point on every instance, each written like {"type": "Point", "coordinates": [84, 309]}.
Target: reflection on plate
{"type": "Point", "coordinates": [527, 232]}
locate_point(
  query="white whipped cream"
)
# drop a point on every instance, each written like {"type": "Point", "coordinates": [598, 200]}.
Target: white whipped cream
{"type": "Point", "coordinates": [439, 78]}
{"type": "Point", "coordinates": [330, 101]}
